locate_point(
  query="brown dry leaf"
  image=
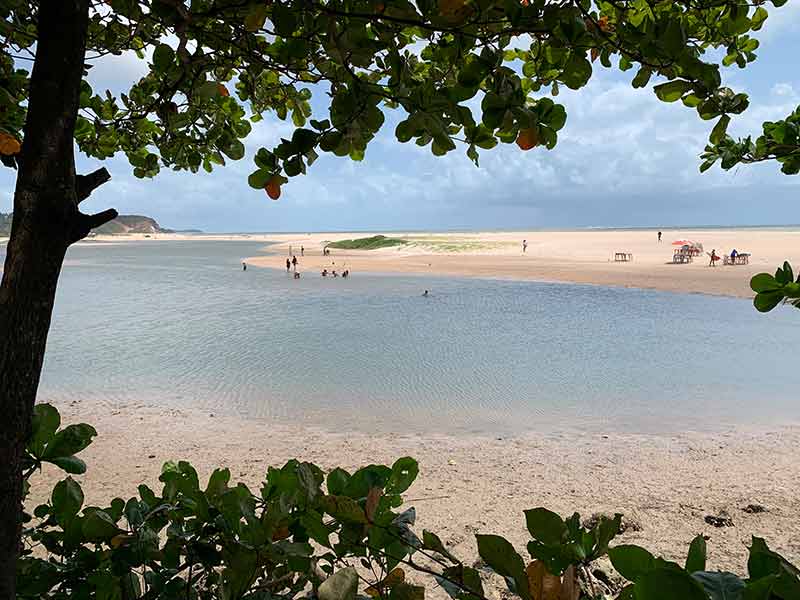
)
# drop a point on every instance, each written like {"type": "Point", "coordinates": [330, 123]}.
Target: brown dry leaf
{"type": "Point", "coordinates": [394, 577]}
{"type": "Point", "coordinates": [570, 589]}
{"type": "Point", "coordinates": [535, 572]}
{"type": "Point", "coordinates": [551, 587]}
{"type": "Point", "coordinates": [595, 54]}
{"type": "Point", "coordinates": [373, 499]}
{"type": "Point", "coordinates": [9, 145]}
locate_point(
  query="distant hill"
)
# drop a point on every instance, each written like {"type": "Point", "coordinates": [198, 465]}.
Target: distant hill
{"type": "Point", "coordinates": [122, 224]}
{"type": "Point", "coordinates": [131, 224]}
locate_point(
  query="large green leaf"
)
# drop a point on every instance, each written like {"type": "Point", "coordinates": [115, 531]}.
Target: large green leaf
{"type": "Point", "coordinates": [70, 440]}
{"type": "Point", "coordinates": [696, 559]}
{"type": "Point", "coordinates": [43, 426]}
{"type": "Point", "coordinates": [720, 585]}
{"type": "Point", "coordinates": [499, 554]}
{"type": "Point", "coordinates": [672, 91]}
{"type": "Point", "coordinates": [545, 525]}
{"type": "Point", "coordinates": [67, 499]}
{"type": "Point", "coordinates": [668, 584]}
{"type": "Point", "coordinates": [404, 472]}
{"type": "Point", "coordinates": [632, 562]}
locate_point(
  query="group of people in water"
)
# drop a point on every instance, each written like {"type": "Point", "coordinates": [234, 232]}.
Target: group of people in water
{"type": "Point", "coordinates": [333, 273]}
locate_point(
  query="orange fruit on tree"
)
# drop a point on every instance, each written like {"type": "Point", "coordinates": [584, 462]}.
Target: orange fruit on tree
{"type": "Point", "coordinates": [9, 145]}
{"type": "Point", "coordinates": [273, 188]}
{"type": "Point", "coordinates": [528, 138]}
{"type": "Point", "coordinates": [223, 91]}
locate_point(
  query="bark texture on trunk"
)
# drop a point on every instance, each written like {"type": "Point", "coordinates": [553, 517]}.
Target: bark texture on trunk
{"type": "Point", "coordinates": [46, 221]}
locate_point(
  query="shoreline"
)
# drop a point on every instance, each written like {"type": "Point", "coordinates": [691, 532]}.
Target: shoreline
{"type": "Point", "coordinates": [666, 484]}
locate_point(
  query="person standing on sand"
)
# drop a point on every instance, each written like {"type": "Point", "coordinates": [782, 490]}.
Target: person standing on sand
{"type": "Point", "coordinates": [294, 262]}
{"type": "Point", "coordinates": [244, 266]}
{"type": "Point", "coordinates": [288, 265]}
{"type": "Point", "coordinates": [714, 258]}
{"type": "Point", "coordinates": [302, 251]}
{"type": "Point", "coordinates": [524, 246]}
{"type": "Point", "coordinates": [659, 237]}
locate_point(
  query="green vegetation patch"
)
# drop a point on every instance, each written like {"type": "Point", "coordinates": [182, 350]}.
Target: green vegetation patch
{"type": "Point", "coordinates": [368, 243]}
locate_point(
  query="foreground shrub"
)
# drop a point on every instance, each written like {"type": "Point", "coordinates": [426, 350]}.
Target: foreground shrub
{"type": "Point", "coordinates": [334, 536]}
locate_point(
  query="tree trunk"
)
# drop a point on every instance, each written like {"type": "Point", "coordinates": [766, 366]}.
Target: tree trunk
{"type": "Point", "coordinates": [46, 221]}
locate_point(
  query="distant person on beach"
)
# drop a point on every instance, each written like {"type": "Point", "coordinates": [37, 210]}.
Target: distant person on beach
{"type": "Point", "coordinates": [333, 272]}
{"type": "Point", "coordinates": [524, 246]}
{"type": "Point", "coordinates": [734, 254]}
{"type": "Point", "coordinates": [714, 258]}
{"type": "Point", "coordinates": [294, 262]}
{"type": "Point", "coordinates": [324, 272]}
{"type": "Point", "coordinates": [288, 265]}
{"type": "Point", "coordinates": [425, 294]}
{"type": "Point", "coordinates": [659, 237]}
{"type": "Point", "coordinates": [244, 266]}
{"type": "Point", "coordinates": [296, 275]}
{"type": "Point", "coordinates": [346, 272]}
{"type": "Point", "coordinates": [302, 251]}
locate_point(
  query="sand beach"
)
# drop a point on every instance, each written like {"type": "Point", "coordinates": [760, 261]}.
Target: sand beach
{"type": "Point", "coordinates": [664, 485]}
{"type": "Point", "coordinates": [585, 256]}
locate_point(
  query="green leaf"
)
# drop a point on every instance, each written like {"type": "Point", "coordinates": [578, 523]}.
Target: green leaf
{"type": "Point", "coordinates": [766, 301]}
{"type": "Point", "coordinates": [99, 526]}
{"type": "Point", "coordinates": [284, 19]}
{"type": "Point", "coordinates": [672, 91]}
{"type": "Point", "coordinates": [337, 480]}
{"type": "Point", "coordinates": [720, 129]}
{"type": "Point", "coordinates": [235, 151]}
{"type": "Point", "coordinates": [668, 583]}
{"type": "Point", "coordinates": [696, 559]}
{"type": "Point", "coordinates": [545, 526]}
{"type": "Point", "coordinates": [304, 140]}
{"type": "Point", "coordinates": [256, 17]}
{"type": "Point", "coordinates": [404, 472]}
{"type": "Point", "coordinates": [576, 72]}
{"type": "Point", "coordinates": [43, 426]}
{"type": "Point", "coordinates": [70, 440]}
{"type": "Point", "coordinates": [67, 499]}
{"type": "Point", "coordinates": [764, 282]}
{"type": "Point", "coordinates": [163, 57]}
{"type": "Point", "coordinates": [258, 179]}
{"type": "Point", "coordinates": [642, 77]}
{"type": "Point", "coordinates": [70, 464]}
{"type": "Point", "coordinates": [432, 542]}
{"type": "Point", "coordinates": [720, 585]}
{"type": "Point", "coordinates": [630, 561]}
{"type": "Point", "coordinates": [500, 555]}
{"type": "Point", "coordinates": [207, 89]}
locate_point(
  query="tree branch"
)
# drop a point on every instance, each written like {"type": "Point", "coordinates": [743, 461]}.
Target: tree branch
{"type": "Point", "coordinates": [85, 223]}
{"type": "Point", "coordinates": [86, 184]}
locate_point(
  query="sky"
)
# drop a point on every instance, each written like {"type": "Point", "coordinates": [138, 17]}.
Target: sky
{"type": "Point", "coordinates": [624, 159]}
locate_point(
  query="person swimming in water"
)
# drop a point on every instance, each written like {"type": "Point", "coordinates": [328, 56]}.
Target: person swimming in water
{"type": "Point", "coordinates": [425, 294]}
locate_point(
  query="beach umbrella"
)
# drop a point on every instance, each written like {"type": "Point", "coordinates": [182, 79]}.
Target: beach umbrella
{"type": "Point", "coordinates": [682, 243]}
